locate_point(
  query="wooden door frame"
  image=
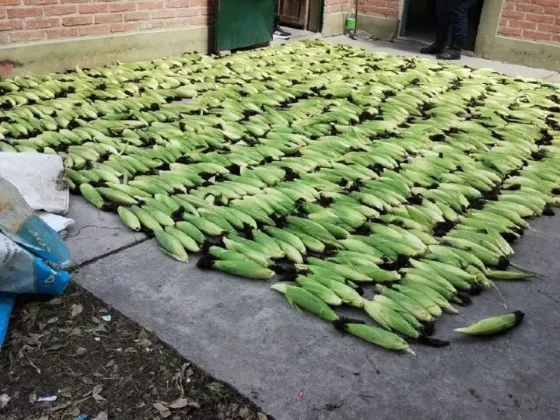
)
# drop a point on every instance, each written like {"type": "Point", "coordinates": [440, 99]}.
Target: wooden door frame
{"type": "Point", "coordinates": [315, 18]}
{"type": "Point", "coordinates": [306, 15]}
{"type": "Point", "coordinates": [403, 18]}
{"type": "Point", "coordinates": [318, 25]}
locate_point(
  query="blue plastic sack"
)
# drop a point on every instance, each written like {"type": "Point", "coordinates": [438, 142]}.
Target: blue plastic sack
{"type": "Point", "coordinates": [39, 239]}
{"type": "Point", "coordinates": [32, 255]}
{"type": "Point", "coordinates": [7, 301]}
{"type": "Point", "coordinates": [23, 226]}
{"type": "Point", "coordinates": [36, 232]}
{"type": "Point", "coordinates": [24, 269]}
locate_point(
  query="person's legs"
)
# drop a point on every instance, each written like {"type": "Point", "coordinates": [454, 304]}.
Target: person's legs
{"type": "Point", "coordinates": [443, 14]}
{"type": "Point", "coordinates": [443, 10]}
{"type": "Point", "coordinates": [276, 15]}
{"type": "Point", "coordinates": [460, 23]}
{"type": "Point", "coordinates": [279, 33]}
{"type": "Point", "coordinates": [459, 29]}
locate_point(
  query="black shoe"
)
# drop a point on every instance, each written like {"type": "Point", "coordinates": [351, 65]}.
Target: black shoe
{"type": "Point", "coordinates": [435, 48]}
{"type": "Point", "coordinates": [280, 33]}
{"type": "Point", "coordinates": [449, 54]}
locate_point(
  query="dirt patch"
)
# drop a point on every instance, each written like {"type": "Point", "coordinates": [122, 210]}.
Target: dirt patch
{"type": "Point", "coordinates": [75, 356]}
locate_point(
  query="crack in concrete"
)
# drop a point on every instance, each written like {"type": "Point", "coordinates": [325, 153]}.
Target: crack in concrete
{"type": "Point", "coordinates": [551, 76]}
{"type": "Point", "coordinates": [548, 296]}
{"type": "Point", "coordinates": [108, 254]}
{"type": "Point", "coordinates": [73, 235]}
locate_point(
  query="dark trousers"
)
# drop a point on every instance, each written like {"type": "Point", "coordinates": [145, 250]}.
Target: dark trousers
{"type": "Point", "coordinates": [452, 17]}
{"type": "Point", "coordinates": [276, 17]}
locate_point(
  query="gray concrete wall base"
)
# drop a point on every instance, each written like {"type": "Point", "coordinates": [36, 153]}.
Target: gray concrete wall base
{"type": "Point", "coordinates": [527, 53]}
{"type": "Point", "coordinates": [53, 56]}
{"type": "Point", "coordinates": [378, 27]}
{"type": "Point", "coordinates": [333, 24]}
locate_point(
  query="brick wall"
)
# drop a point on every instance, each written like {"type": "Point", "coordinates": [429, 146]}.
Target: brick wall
{"type": "Point", "coordinates": [533, 20]}
{"type": "Point", "coordinates": [338, 6]}
{"type": "Point", "coordinates": [381, 8]}
{"type": "Point", "coordinates": [36, 20]}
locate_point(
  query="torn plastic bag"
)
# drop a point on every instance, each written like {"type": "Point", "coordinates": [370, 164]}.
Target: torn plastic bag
{"type": "Point", "coordinates": [55, 221]}
{"type": "Point", "coordinates": [24, 269]}
{"type": "Point", "coordinates": [16, 217]}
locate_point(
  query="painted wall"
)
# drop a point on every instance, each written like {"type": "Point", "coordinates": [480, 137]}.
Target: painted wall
{"type": "Point", "coordinates": [37, 20]}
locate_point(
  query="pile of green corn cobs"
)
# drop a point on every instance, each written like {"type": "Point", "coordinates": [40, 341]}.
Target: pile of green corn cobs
{"type": "Point", "coordinates": [335, 167]}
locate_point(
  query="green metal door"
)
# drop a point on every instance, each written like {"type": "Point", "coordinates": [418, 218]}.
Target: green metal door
{"type": "Point", "coordinates": [242, 23]}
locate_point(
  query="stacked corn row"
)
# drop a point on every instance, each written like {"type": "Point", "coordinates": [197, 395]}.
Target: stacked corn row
{"type": "Point", "coordinates": [336, 167]}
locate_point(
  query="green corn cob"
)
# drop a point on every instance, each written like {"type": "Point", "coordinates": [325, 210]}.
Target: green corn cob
{"type": "Point", "coordinates": [92, 195]}
{"type": "Point", "coordinates": [188, 243]}
{"type": "Point", "coordinates": [302, 299]}
{"type": "Point", "coordinates": [494, 325]}
{"type": "Point", "coordinates": [378, 336]}
{"type": "Point", "coordinates": [117, 197]}
{"type": "Point", "coordinates": [129, 218]}
{"type": "Point", "coordinates": [171, 246]}
{"type": "Point", "coordinates": [146, 219]}
{"type": "Point", "coordinates": [322, 292]}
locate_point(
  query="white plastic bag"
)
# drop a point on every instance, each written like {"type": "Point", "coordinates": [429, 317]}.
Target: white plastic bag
{"type": "Point", "coordinates": [40, 179]}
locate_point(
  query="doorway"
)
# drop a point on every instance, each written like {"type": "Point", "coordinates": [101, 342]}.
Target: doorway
{"type": "Point", "coordinates": [418, 22]}
{"type": "Point", "coordinates": [306, 15]}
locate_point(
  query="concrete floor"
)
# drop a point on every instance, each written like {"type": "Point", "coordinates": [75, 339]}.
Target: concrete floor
{"type": "Point", "coordinates": [248, 336]}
